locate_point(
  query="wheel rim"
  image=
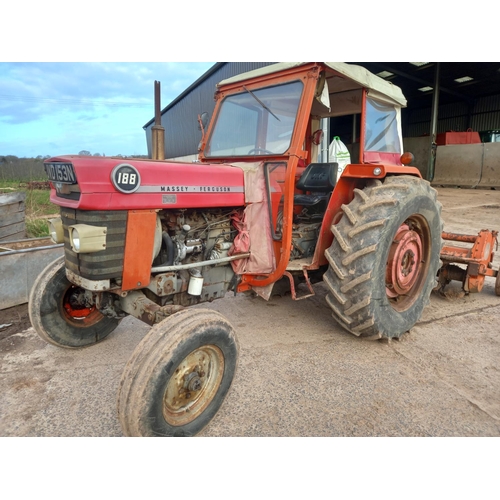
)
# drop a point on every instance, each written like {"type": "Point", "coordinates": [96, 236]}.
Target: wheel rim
{"type": "Point", "coordinates": [78, 314]}
{"type": "Point", "coordinates": [193, 385]}
{"type": "Point", "coordinates": [408, 263]}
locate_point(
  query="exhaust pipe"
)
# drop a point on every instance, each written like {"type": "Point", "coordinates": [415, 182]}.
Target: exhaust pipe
{"type": "Point", "coordinates": [158, 132]}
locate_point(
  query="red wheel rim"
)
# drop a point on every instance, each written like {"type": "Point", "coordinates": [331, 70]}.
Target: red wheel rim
{"type": "Point", "coordinates": [78, 314]}
{"type": "Point", "coordinates": [407, 263]}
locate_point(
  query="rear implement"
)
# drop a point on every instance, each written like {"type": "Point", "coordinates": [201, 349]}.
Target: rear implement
{"type": "Point", "coordinates": [477, 259]}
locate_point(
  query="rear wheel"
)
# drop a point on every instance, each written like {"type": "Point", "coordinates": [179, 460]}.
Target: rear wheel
{"type": "Point", "coordinates": [178, 376]}
{"type": "Point", "coordinates": [384, 257]}
{"type": "Point", "coordinates": [58, 314]}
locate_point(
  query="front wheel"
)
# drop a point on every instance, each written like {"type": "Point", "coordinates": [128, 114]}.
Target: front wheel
{"type": "Point", "coordinates": [178, 376]}
{"type": "Point", "coordinates": [58, 314]}
{"type": "Point", "coordinates": [384, 257]}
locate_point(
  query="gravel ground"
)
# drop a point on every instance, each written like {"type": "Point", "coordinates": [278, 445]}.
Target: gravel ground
{"type": "Point", "coordinates": [299, 373]}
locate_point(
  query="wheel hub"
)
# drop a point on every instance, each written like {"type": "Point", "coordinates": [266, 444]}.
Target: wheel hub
{"type": "Point", "coordinates": [75, 305]}
{"type": "Point", "coordinates": [193, 382]}
{"type": "Point", "coordinates": [403, 264]}
{"type": "Point", "coordinates": [193, 385]}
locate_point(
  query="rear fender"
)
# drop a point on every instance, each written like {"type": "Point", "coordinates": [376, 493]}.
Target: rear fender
{"type": "Point", "coordinates": [354, 176]}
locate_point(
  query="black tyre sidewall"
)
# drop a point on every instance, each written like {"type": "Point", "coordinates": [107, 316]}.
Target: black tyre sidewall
{"type": "Point", "coordinates": [383, 312]}
{"type": "Point", "coordinates": [216, 334]}
{"type": "Point", "coordinates": [57, 328]}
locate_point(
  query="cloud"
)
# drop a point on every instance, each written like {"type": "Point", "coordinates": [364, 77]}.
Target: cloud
{"type": "Point", "coordinates": [76, 103]}
{"type": "Point", "coordinates": [30, 90]}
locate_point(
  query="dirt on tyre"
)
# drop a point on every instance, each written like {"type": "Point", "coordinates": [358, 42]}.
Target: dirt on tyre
{"type": "Point", "coordinates": [56, 315]}
{"type": "Point", "coordinates": [384, 257]}
{"type": "Point", "coordinates": [178, 376]}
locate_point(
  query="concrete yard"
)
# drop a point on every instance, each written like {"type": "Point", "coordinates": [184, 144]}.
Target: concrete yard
{"type": "Point", "coordinates": [299, 373]}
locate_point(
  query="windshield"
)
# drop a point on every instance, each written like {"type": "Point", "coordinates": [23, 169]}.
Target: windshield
{"type": "Point", "coordinates": [382, 128]}
{"type": "Point", "coordinates": [256, 122]}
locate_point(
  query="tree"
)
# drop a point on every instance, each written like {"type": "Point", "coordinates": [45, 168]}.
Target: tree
{"type": "Point", "coordinates": [84, 153]}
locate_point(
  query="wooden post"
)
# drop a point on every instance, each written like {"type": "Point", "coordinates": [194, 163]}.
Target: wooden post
{"type": "Point", "coordinates": [12, 216]}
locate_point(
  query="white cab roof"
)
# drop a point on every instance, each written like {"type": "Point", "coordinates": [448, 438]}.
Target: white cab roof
{"type": "Point", "coordinates": [357, 76]}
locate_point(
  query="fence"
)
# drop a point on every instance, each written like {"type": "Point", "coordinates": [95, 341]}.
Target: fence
{"type": "Point", "coordinates": [21, 169]}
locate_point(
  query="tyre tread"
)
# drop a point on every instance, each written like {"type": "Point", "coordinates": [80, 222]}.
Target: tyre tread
{"type": "Point", "coordinates": [152, 352]}
{"type": "Point", "coordinates": [354, 248]}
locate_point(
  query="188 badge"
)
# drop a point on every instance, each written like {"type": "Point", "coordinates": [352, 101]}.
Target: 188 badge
{"type": "Point", "coordinates": [125, 178]}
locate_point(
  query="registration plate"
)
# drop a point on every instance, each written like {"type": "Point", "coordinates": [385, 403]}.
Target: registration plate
{"type": "Point", "coordinates": [61, 172]}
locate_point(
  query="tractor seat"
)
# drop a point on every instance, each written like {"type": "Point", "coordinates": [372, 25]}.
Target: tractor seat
{"type": "Point", "coordinates": [319, 180]}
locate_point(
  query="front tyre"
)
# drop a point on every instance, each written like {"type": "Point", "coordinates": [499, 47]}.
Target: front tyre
{"type": "Point", "coordinates": [384, 257]}
{"type": "Point", "coordinates": [178, 376]}
{"type": "Point", "coordinates": [56, 315]}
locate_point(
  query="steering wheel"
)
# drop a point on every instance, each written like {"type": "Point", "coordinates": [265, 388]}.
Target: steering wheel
{"type": "Point", "coordinates": [260, 151]}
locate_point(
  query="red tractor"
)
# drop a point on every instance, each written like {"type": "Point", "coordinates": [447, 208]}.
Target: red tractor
{"type": "Point", "coordinates": [150, 238]}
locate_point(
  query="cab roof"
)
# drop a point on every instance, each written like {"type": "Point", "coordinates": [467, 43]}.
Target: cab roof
{"type": "Point", "coordinates": [340, 77]}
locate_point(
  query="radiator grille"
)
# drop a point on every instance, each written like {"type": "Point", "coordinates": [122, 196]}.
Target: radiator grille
{"type": "Point", "coordinates": [99, 265]}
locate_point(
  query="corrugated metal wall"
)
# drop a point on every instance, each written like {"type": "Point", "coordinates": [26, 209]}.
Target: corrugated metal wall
{"type": "Point", "coordinates": [180, 121]}
{"type": "Point", "coordinates": [484, 115]}
{"type": "Point", "coordinates": [182, 135]}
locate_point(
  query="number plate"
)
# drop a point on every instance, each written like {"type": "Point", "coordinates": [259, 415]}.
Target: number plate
{"type": "Point", "coordinates": [60, 172]}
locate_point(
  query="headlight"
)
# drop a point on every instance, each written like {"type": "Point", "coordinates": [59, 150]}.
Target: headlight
{"type": "Point", "coordinates": [56, 230]}
{"type": "Point", "coordinates": [75, 240]}
{"type": "Point", "coordinates": [87, 239]}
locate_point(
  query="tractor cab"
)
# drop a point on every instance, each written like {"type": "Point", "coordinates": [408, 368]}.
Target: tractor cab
{"type": "Point", "coordinates": [276, 123]}
{"type": "Point", "coordinates": [291, 109]}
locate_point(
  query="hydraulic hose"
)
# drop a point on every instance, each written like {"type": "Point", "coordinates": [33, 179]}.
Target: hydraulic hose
{"type": "Point", "coordinates": [169, 244]}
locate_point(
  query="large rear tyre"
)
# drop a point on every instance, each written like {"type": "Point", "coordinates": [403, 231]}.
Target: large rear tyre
{"type": "Point", "coordinates": [56, 315]}
{"type": "Point", "coordinates": [178, 376]}
{"type": "Point", "coordinates": [384, 257]}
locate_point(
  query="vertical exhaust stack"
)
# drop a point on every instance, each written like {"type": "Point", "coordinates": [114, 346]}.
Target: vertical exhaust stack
{"type": "Point", "coordinates": [158, 137]}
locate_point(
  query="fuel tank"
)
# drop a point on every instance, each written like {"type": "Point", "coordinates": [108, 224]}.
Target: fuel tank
{"type": "Point", "coordinates": [106, 183]}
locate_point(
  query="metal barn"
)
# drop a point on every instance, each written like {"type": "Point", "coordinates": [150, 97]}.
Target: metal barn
{"type": "Point", "coordinates": [442, 97]}
{"type": "Point", "coordinates": [179, 118]}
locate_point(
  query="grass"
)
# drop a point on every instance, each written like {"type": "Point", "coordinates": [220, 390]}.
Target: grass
{"type": "Point", "coordinates": [38, 207]}
{"type": "Point", "coordinates": [36, 228]}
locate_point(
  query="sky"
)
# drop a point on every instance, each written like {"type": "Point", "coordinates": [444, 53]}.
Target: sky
{"type": "Point", "coordinates": [60, 95]}
{"type": "Point", "coordinates": [60, 92]}
{"type": "Point", "coordinates": [54, 108]}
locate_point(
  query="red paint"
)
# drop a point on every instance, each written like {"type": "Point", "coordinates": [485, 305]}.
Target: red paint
{"type": "Point", "coordinates": [98, 193]}
{"type": "Point", "coordinates": [375, 157]}
{"type": "Point", "coordinates": [140, 237]}
{"type": "Point", "coordinates": [468, 137]}
{"type": "Point", "coordinates": [354, 176]}
{"type": "Point", "coordinates": [478, 258]}
{"type": "Point", "coordinates": [404, 261]}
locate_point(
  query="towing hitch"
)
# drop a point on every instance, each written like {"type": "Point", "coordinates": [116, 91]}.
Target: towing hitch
{"type": "Point", "coordinates": [478, 261]}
